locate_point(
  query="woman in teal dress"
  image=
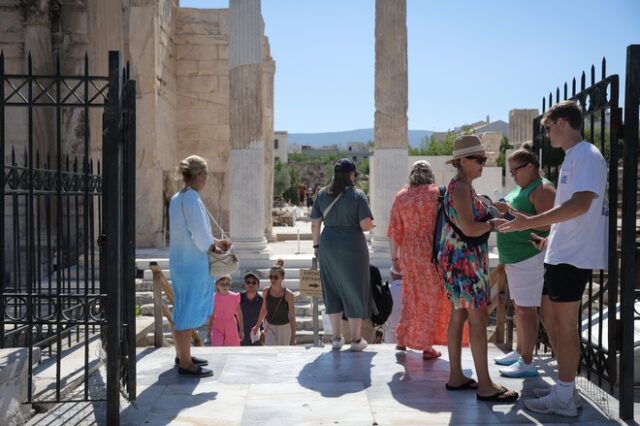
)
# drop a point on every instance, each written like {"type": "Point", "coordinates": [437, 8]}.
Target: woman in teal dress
{"type": "Point", "coordinates": [190, 241]}
{"type": "Point", "coordinates": [343, 253]}
{"type": "Point", "coordinates": [466, 271]}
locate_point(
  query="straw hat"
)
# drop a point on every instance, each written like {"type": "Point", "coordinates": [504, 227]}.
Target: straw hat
{"type": "Point", "coordinates": [465, 146]}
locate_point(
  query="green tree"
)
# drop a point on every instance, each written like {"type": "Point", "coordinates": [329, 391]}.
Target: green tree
{"type": "Point", "coordinates": [281, 178]}
{"type": "Point", "coordinates": [501, 161]}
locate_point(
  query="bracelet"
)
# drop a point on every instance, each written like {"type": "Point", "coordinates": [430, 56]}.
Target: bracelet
{"type": "Point", "coordinates": [316, 245]}
{"type": "Point", "coordinates": [492, 226]}
{"type": "Point", "coordinates": [395, 258]}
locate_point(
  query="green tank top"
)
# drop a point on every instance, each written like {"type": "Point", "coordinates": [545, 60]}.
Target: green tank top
{"type": "Point", "coordinates": [514, 247]}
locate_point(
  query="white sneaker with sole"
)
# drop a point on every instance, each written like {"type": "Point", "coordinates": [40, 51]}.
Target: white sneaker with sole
{"type": "Point", "coordinates": [507, 359]}
{"type": "Point", "coordinates": [540, 392]}
{"type": "Point", "coordinates": [551, 404]}
{"type": "Point", "coordinates": [337, 344]}
{"type": "Point", "coordinates": [359, 345]}
{"type": "Point", "coordinates": [519, 370]}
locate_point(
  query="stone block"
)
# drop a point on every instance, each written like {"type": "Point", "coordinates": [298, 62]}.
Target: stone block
{"type": "Point", "coordinates": [214, 67]}
{"type": "Point", "coordinates": [13, 386]}
{"type": "Point", "coordinates": [203, 100]}
{"type": "Point", "coordinates": [198, 21]}
{"type": "Point", "coordinates": [187, 67]}
{"type": "Point", "coordinates": [199, 84]}
{"type": "Point", "coordinates": [199, 52]}
{"type": "Point", "coordinates": [223, 51]}
{"type": "Point", "coordinates": [10, 22]}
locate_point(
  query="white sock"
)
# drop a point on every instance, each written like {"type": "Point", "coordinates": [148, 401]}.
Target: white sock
{"type": "Point", "coordinates": [564, 390]}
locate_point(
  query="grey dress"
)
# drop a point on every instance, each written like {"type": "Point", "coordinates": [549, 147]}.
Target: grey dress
{"type": "Point", "coordinates": [343, 253]}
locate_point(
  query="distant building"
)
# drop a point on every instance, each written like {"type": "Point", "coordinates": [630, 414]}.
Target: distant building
{"type": "Point", "coordinates": [479, 128]}
{"type": "Point", "coordinates": [294, 148]}
{"type": "Point", "coordinates": [357, 151]}
{"type": "Point", "coordinates": [280, 149]}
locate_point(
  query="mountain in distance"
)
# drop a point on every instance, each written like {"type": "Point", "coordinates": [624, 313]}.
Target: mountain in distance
{"type": "Point", "coordinates": [318, 140]}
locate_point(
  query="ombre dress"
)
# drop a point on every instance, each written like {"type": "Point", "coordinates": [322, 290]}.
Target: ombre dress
{"type": "Point", "coordinates": [190, 240]}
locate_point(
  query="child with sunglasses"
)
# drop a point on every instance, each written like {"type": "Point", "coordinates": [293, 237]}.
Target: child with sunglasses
{"type": "Point", "coordinates": [278, 309]}
{"type": "Point", "coordinates": [226, 324]}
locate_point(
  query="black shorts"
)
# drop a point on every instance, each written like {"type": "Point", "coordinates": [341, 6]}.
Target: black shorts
{"type": "Point", "coordinates": [564, 282]}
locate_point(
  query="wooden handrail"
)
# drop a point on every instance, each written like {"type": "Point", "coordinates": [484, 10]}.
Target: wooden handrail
{"type": "Point", "coordinates": [160, 284]}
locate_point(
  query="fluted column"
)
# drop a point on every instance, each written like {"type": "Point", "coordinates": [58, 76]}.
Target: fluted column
{"type": "Point", "coordinates": [37, 42]}
{"type": "Point", "coordinates": [247, 157]}
{"type": "Point", "coordinates": [390, 157]}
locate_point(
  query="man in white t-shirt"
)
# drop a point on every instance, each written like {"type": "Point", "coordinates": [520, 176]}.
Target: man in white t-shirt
{"type": "Point", "coordinates": [576, 245]}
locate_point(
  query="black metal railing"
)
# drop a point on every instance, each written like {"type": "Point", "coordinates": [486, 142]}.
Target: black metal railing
{"type": "Point", "coordinates": [57, 289]}
{"type": "Point", "coordinates": [609, 294]}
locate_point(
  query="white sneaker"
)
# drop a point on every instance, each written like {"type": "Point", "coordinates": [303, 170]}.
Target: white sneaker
{"type": "Point", "coordinates": [359, 345]}
{"type": "Point", "coordinates": [519, 370]}
{"type": "Point", "coordinates": [507, 359]}
{"type": "Point", "coordinates": [551, 404]}
{"type": "Point", "coordinates": [540, 392]}
{"type": "Point", "coordinates": [337, 344]}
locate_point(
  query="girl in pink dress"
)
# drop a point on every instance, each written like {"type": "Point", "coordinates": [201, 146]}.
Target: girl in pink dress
{"type": "Point", "coordinates": [225, 327]}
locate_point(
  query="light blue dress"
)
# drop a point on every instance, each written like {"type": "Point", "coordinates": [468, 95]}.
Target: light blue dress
{"type": "Point", "coordinates": [190, 239]}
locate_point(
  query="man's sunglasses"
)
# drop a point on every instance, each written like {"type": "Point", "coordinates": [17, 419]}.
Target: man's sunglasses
{"type": "Point", "coordinates": [251, 282]}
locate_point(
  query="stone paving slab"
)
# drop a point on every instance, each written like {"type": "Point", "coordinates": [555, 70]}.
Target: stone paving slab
{"type": "Point", "coordinates": [305, 385]}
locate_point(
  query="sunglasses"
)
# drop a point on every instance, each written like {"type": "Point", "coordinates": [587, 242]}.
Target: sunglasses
{"type": "Point", "coordinates": [274, 277]}
{"type": "Point", "coordinates": [224, 284]}
{"type": "Point", "coordinates": [478, 159]}
{"type": "Point", "coordinates": [251, 282]}
{"type": "Point", "coordinates": [515, 170]}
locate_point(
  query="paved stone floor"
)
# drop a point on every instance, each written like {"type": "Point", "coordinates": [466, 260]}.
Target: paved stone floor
{"type": "Point", "coordinates": [316, 386]}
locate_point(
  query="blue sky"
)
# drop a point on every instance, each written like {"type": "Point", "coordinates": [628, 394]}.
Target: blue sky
{"type": "Point", "coordinates": [467, 58]}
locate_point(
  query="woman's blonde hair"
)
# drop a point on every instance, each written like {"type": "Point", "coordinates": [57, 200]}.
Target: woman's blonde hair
{"type": "Point", "coordinates": [421, 174]}
{"type": "Point", "coordinates": [191, 167]}
{"type": "Point", "coordinates": [278, 267]}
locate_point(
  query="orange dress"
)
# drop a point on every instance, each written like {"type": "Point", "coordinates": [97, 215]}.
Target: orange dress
{"type": "Point", "coordinates": [424, 315]}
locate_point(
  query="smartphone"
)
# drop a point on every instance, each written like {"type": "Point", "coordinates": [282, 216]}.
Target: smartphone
{"type": "Point", "coordinates": [507, 215]}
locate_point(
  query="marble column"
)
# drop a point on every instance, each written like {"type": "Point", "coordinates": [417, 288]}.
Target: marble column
{"type": "Point", "coordinates": [246, 115]}
{"type": "Point", "coordinates": [390, 157]}
{"type": "Point", "coordinates": [37, 42]}
{"type": "Point", "coordinates": [268, 71]}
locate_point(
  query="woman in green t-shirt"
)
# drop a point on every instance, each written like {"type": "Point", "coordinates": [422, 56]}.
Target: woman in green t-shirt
{"type": "Point", "coordinates": [524, 263]}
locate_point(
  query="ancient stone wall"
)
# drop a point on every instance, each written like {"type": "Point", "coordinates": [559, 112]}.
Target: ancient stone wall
{"type": "Point", "coordinates": [180, 60]}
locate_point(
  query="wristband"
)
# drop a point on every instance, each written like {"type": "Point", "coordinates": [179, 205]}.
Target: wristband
{"type": "Point", "coordinates": [395, 258]}
{"type": "Point", "coordinates": [492, 226]}
{"type": "Point", "coordinates": [316, 245]}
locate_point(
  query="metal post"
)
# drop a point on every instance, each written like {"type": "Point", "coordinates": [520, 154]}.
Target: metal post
{"type": "Point", "coordinates": [316, 327]}
{"type": "Point", "coordinates": [629, 185]}
{"type": "Point", "coordinates": [112, 232]}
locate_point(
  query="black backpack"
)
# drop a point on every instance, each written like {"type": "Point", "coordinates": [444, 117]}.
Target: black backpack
{"type": "Point", "coordinates": [382, 300]}
{"type": "Point", "coordinates": [440, 222]}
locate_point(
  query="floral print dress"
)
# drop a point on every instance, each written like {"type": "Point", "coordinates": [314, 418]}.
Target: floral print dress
{"type": "Point", "coordinates": [465, 267]}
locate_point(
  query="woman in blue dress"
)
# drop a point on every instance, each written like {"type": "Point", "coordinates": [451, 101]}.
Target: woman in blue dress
{"type": "Point", "coordinates": [190, 241]}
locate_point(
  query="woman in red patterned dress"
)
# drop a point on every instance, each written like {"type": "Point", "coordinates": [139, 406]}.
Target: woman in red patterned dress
{"type": "Point", "coordinates": [425, 311]}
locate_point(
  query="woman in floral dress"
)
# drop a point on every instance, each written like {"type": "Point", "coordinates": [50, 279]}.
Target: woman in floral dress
{"type": "Point", "coordinates": [464, 261]}
{"type": "Point", "coordinates": [425, 309]}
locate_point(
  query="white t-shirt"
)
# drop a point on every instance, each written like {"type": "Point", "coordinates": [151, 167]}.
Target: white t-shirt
{"type": "Point", "coordinates": [390, 327]}
{"type": "Point", "coordinates": [582, 241]}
